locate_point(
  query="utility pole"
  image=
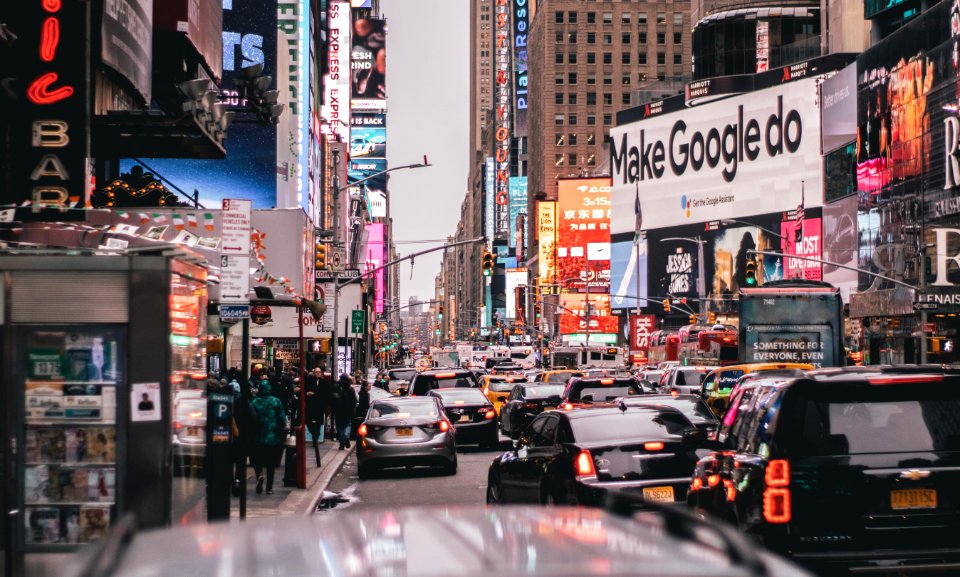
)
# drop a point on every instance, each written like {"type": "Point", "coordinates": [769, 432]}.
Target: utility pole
{"type": "Point", "coordinates": [334, 345]}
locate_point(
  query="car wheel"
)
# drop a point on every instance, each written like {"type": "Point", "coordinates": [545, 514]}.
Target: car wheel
{"type": "Point", "coordinates": [494, 490]}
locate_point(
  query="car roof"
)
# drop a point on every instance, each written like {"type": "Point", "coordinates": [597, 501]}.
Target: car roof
{"type": "Point", "coordinates": [400, 400]}
{"type": "Point", "coordinates": [755, 367]}
{"type": "Point", "coordinates": [439, 370]}
{"type": "Point", "coordinates": [480, 541]}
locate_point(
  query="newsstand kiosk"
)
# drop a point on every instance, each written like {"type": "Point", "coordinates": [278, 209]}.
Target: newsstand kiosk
{"type": "Point", "coordinates": [104, 369]}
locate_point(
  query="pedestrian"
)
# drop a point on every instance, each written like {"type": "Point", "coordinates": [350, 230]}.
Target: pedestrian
{"type": "Point", "coordinates": [316, 408]}
{"type": "Point", "coordinates": [246, 420]}
{"type": "Point", "coordinates": [382, 382]}
{"type": "Point", "coordinates": [363, 402]}
{"type": "Point", "coordinates": [344, 408]}
{"type": "Point", "coordinates": [271, 434]}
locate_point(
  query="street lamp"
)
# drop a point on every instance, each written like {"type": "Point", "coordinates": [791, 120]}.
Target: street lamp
{"type": "Point", "coordinates": [701, 286]}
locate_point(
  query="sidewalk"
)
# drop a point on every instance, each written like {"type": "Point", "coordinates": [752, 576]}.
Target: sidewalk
{"type": "Point", "coordinates": [291, 501]}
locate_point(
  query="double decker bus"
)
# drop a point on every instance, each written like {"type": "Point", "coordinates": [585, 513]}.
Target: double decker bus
{"type": "Point", "coordinates": [792, 321]}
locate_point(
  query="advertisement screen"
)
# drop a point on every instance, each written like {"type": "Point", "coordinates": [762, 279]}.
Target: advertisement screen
{"type": "Point", "coordinates": [360, 169]}
{"type": "Point", "coordinates": [573, 319]}
{"type": "Point", "coordinates": [250, 169]}
{"type": "Point", "coordinates": [518, 206]}
{"type": "Point", "coordinates": [375, 258]}
{"type": "Point", "coordinates": [640, 328]}
{"type": "Point", "coordinates": [583, 234]}
{"type": "Point", "coordinates": [521, 24]}
{"type": "Point", "coordinates": [838, 101]}
{"type": "Point", "coordinates": [489, 196]}
{"type": "Point", "coordinates": [627, 260]}
{"type": "Point", "coordinates": [368, 142]}
{"type": "Point", "coordinates": [840, 246]}
{"type": "Point", "coordinates": [503, 87]}
{"type": "Point", "coordinates": [740, 156]}
{"type": "Point", "coordinates": [547, 249]}
{"type": "Point", "coordinates": [336, 83]}
{"type": "Point", "coordinates": [368, 65]}
{"type": "Point", "coordinates": [803, 239]}
{"type": "Point", "coordinates": [127, 32]}
{"type": "Point", "coordinates": [514, 278]}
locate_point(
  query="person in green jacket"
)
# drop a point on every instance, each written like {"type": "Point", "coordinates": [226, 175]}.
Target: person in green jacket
{"type": "Point", "coordinates": [270, 436]}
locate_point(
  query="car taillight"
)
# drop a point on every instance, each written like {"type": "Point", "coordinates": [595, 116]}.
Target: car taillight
{"type": "Point", "coordinates": [584, 464]}
{"type": "Point", "coordinates": [489, 414]}
{"type": "Point", "coordinates": [444, 426]}
{"type": "Point", "coordinates": [567, 407]}
{"type": "Point", "coordinates": [606, 381]}
{"type": "Point", "coordinates": [177, 426]}
{"type": "Point", "coordinates": [653, 446]}
{"type": "Point", "coordinates": [362, 430]}
{"type": "Point", "coordinates": [776, 497]}
{"type": "Point", "coordinates": [531, 405]}
{"type": "Point", "coordinates": [674, 393]}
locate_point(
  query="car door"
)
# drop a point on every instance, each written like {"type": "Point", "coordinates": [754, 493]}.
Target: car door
{"type": "Point", "coordinates": [512, 463]}
{"type": "Point", "coordinates": [536, 463]}
{"type": "Point", "coordinates": [508, 407]}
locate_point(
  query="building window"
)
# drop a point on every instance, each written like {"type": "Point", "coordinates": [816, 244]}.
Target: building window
{"type": "Point", "coordinates": [661, 17]}
{"type": "Point", "coordinates": [642, 58]}
{"type": "Point", "coordinates": [591, 121]}
{"type": "Point", "coordinates": [678, 58]}
{"type": "Point", "coordinates": [558, 98]}
{"type": "Point", "coordinates": [558, 79]}
{"type": "Point", "coordinates": [592, 160]}
{"type": "Point", "coordinates": [558, 58]}
{"type": "Point", "coordinates": [607, 58]}
{"type": "Point", "coordinates": [661, 58]}
{"type": "Point", "coordinates": [608, 17]}
{"type": "Point", "coordinates": [591, 37]}
{"type": "Point", "coordinates": [572, 98]}
{"type": "Point", "coordinates": [625, 18]}
{"type": "Point", "coordinates": [572, 159]}
{"type": "Point", "coordinates": [558, 119]}
{"type": "Point", "coordinates": [591, 57]}
{"type": "Point", "coordinates": [624, 58]}
{"type": "Point", "coordinates": [661, 76]}
{"type": "Point", "coordinates": [642, 37]}
{"type": "Point", "coordinates": [626, 80]}
{"type": "Point", "coordinates": [625, 97]}
{"type": "Point", "coordinates": [591, 97]}
{"type": "Point", "coordinates": [591, 138]}
{"type": "Point", "coordinates": [573, 140]}
{"type": "Point", "coordinates": [607, 99]}
{"type": "Point", "coordinates": [608, 39]}
{"type": "Point", "coordinates": [661, 38]}
{"type": "Point", "coordinates": [591, 78]}
{"type": "Point", "coordinates": [572, 78]}
{"type": "Point", "coordinates": [608, 79]}
{"type": "Point", "coordinates": [625, 38]}
{"type": "Point", "coordinates": [572, 38]}
{"type": "Point", "coordinates": [607, 119]}
{"type": "Point", "coordinates": [572, 17]}
{"type": "Point", "coordinates": [559, 160]}
{"type": "Point", "coordinates": [678, 19]}
{"type": "Point", "coordinates": [559, 38]}
{"type": "Point", "coordinates": [572, 58]}
{"type": "Point", "coordinates": [642, 19]}
{"type": "Point", "coordinates": [591, 17]}
{"type": "Point", "coordinates": [572, 119]}
{"type": "Point", "coordinates": [559, 139]}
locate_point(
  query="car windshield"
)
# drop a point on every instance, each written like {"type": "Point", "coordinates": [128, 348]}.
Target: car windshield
{"type": "Point", "coordinates": [403, 409]}
{"type": "Point", "coordinates": [504, 386]}
{"type": "Point", "coordinates": [627, 425]}
{"type": "Point", "coordinates": [877, 419]}
{"type": "Point", "coordinates": [402, 375]}
{"type": "Point", "coordinates": [561, 377]}
{"type": "Point", "coordinates": [543, 391]}
{"type": "Point", "coordinates": [461, 396]}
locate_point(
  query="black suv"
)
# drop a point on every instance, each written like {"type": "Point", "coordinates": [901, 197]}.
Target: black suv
{"type": "Point", "coordinates": [842, 468]}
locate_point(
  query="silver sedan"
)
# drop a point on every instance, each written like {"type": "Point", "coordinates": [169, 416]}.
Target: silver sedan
{"type": "Point", "coordinates": [405, 432]}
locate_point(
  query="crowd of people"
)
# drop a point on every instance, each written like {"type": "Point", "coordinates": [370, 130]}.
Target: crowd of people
{"type": "Point", "coordinates": [267, 410]}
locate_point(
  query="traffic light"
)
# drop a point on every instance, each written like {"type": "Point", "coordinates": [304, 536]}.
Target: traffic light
{"type": "Point", "coordinates": [320, 256]}
{"type": "Point", "coordinates": [693, 319]}
{"type": "Point", "coordinates": [536, 310]}
{"type": "Point", "coordinates": [440, 312]}
{"type": "Point", "coordinates": [487, 263]}
{"type": "Point", "coordinates": [712, 318]}
{"type": "Point", "coordinates": [666, 305]}
{"type": "Point", "coordinates": [751, 273]}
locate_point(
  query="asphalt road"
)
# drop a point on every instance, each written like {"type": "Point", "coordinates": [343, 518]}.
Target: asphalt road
{"type": "Point", "coordinates": [411, 487]}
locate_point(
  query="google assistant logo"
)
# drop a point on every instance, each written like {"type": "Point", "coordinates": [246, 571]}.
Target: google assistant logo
{"type": "Point", "coordinates": [685, 205]}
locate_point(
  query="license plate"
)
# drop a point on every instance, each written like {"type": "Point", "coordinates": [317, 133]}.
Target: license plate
{"type": "Point", "coordinates": [465, 419]}
{"type": "Point", "coordinates": [913, 499]}
{"type": "Point", "coordinates": [658, 494]}
{"type": "Point", "coordinates": [404, 431]}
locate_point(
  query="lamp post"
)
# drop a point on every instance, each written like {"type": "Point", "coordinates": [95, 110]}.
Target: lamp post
{"type": "Point", "coordinates": [701, 285]}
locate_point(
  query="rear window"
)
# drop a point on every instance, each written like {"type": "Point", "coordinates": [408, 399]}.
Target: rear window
{"type": "Point", "coordinates": [604, 392]}
{"type": "Point", "coordinates": [880, 419]}
{"type": "Point", "coordinates": [544, 391]}
{"type": "Point", "coordinates": [626, 426]}
{"type": "Point", "coordinates": [424, 383]}
{"type": "Point", "coordinates": [504, 386]}
{"type": "Point", "coordinates": [688, 377]}
{"type": "Point", "coordinates": [561, 377]}
{"type": "Point", "coordinates": [461, 396]}
{"type": "Point", "coordinates": [402, 410]}
{"type": "Point", "coordinates": [402, 375]}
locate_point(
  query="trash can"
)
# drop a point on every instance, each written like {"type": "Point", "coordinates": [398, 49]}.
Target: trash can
{"type": "Point", "coordinates": [290, 462]}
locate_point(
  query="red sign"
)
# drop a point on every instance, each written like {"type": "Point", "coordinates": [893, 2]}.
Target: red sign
{"type": "Point", "coordinates": [261, 314]}
{"type": "Point", "coordinates": [640, 328]}
{"type": "Point", "coordinates": [572, 318]}
{"type": "Point", "coordinates": [583, 233]}
{"type": "Point", "coordinates": [802, 238]}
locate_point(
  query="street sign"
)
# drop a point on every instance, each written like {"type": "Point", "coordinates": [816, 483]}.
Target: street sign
{"type": "Point", "coordinates": [234, 312]}
{"type": "Point", "coordinates": [358, 322]}
{"type": "Point", "coordinates": [235, 226]}
{"type": "Point", "coordinates": [326, 275]}
{"type": "Point", "coordinates": [234, 279]}
{"type": "Point", "coordinates": [925, 306]}
{"type": "Point", "coordinates": [338, 258]}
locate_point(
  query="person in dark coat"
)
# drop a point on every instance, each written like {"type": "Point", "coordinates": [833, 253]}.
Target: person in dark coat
{"type": "Point", "coordinates": [271, 434]}
{"type": "Point", "coordinates": [246, 420]}
{"type": "Point", "coordinates": [315, 388]}
{"type": "Point", "coordinates": [344, 407]}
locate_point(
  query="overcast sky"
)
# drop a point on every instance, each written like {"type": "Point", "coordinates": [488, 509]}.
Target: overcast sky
{"type": "Point", "coordinates": [427, 113]}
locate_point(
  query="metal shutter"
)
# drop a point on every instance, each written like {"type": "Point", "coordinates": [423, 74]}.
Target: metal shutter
{"type": "Point", "coordinates": [68, 297]}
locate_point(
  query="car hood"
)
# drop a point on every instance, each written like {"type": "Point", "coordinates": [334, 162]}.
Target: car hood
{"type": "Point", "coordinates": [428, 542]}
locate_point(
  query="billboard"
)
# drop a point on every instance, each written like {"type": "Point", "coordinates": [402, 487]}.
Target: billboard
{"type": "Point", "coordinates": [521, 23]}
{"type": "Point", "coordinates": [514, 278]}
{"type": "Point", "coordinates": [375, 257]}
{"type": "Point", "coordinates": [369, 142]}
{"type": "Point", "coordinates": [293, 127]}
{"type": "Point", "coordinates": [640, 328]}
{"type": "Point", "coordinates": [203, 20]}
{"type": "Point", "coordinates": [803, 238]}
{"type": "Point", "coordinates": [503, 87]}
{"type": "Point", "coordinates": [583, 233]}
{"type": "Point", "coordinates": [547, 248]}
{"type": "Point", "coordinates": [840, 246]}
{"type": "Point", "coordinates": [363, 168]}
{"type": "Point", "coordinates": [518, 206]}
{"type": "Point", "coordinates": [838, 109]}
{"type": "Point", "coordinates": [127, 39]}
{"type": "Point", "coordinates": [368, 65]}
{"type": "Point", "coordinates": [250, 169]}
{"type": "Point", "coordinates": [489, 204]}
{"type": "Point", "coordinates": [336, 84]}
{"type": "Point", "coordinates": [628, 260]}
{"type": "Point", "coordinates": [740, 156]}
{"type": "Point", "coordinates": [573, 319]}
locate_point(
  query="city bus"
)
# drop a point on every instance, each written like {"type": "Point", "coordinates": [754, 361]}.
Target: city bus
{"type": "Point", "coordinates": [576, 357]}
{"type": "Point", "coordinates": [792, 321]}
{"type": "Point", "coordinates": [708, 346]}
{"type": "Point", "coordinates": [664, 346]}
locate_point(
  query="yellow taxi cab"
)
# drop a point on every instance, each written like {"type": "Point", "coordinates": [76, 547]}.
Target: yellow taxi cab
{"type": "Point", "coordinates": [558, 377]}
{"type": "Point", "coordinates": [497, 388]}
{"type": "Point", "coordinates": [719, 383]}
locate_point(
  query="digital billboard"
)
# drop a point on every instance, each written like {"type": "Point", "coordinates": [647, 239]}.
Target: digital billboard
{"type": "Point", "coordinates": [293, 84]}
{"type": "Point", "coordinates": [736, 157]}
{"type": "Point", "coordinates": [368, 65]}
{"type": "Point", "coordinates": [573, 319]}
{"type": "Point", "coordinates": [127, 39]}
{"type": "Point", "coordinates": [375, 258]}
{"type": "Point", "coordinates": [518, 206]}
{"type": "Point", "coordinates": [489, 203]}
{"type": "Point", "coordinates": [336, 84]}
{"type": "Point", "coordinates": [368, 142]}
{"type": "Point", "coordinates": [514, 278]}
{"type": "Point", "coordinates": [840, 246]}
{"type": "Point", "coordinates": [503, 88]}
{"type": "Point", "coordinates": [640, 328]}
{"type": "Point", "coordinates": [250, 169]}
{"type": "Point", "coordinates": [521, 24]}
{"type": "Point", "coordinates": [583, 233]}
{"type": "Point", "coordinates": [627, 260]}
{"type": "Point", "coordinates": [363, 168]}
{"type": "Point", "coordinates": [547, 235]}
{"type": "Point", "coordinates": [803, 238]}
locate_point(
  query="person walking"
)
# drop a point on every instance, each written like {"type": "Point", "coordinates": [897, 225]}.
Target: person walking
{"type": "Point", "coordinates": [271, 433]}
{"type": "Point", "coordinates": [344, 407]}
{"type": "Point", "coordinates": [316, 408]}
